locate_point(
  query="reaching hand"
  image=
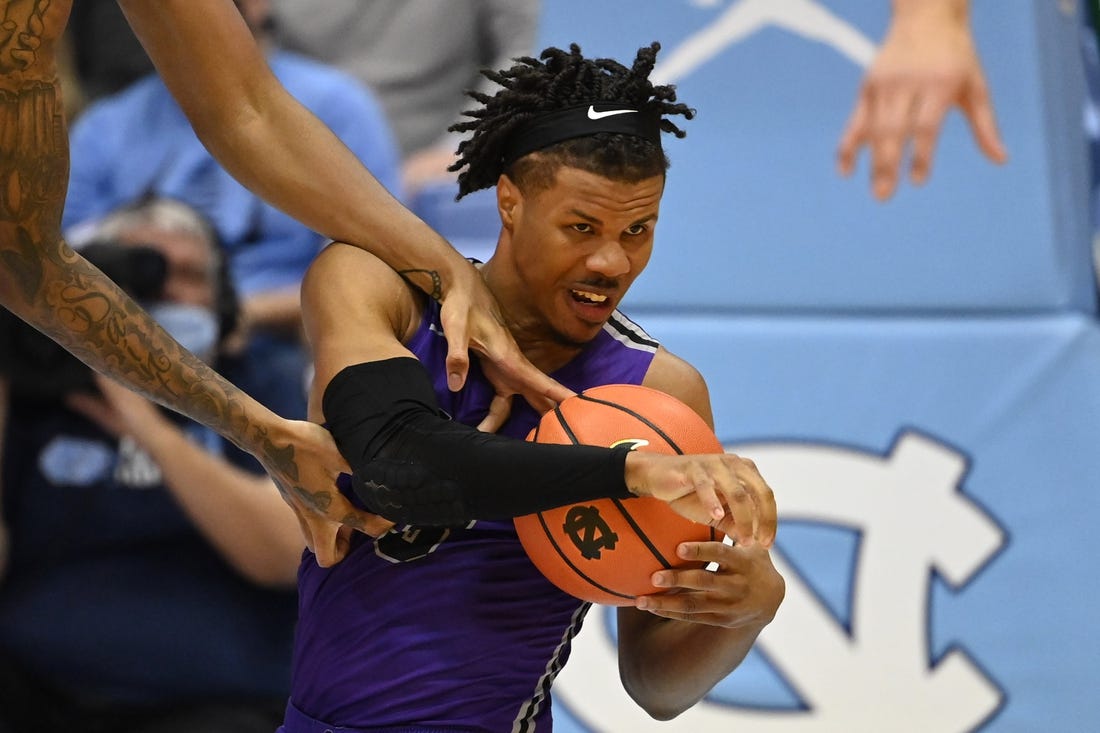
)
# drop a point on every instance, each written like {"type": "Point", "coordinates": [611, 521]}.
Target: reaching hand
{"type": "Point", "coordinates": [305, 471]}
{"type": "Point", "coordinates": [720, 489]}
{"type": "Point", "coordinates": [745, 590]}
{"type": "Point", "coordinates": [472, 319]}
{"type": "Point", "coordinates": [927, 64]}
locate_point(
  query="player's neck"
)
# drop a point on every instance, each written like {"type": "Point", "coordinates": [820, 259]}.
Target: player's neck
{"type": "Point", "coordinates": [541, 345]}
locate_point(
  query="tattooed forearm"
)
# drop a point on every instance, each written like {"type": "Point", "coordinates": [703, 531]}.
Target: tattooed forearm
{"type": "Point", "coordinates": [44, 282]}
{"type": "Point", "coordinates": [85, 312]}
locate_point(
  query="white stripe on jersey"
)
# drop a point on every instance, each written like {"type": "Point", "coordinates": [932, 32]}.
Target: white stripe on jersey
{"type": "Point", "coordinates": [525, 720]}
{"type": "Point", "coordinates": [629, 333]}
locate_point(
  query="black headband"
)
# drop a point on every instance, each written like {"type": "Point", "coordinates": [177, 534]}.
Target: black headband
{"type": "Point", "coordinates": [549, 128]}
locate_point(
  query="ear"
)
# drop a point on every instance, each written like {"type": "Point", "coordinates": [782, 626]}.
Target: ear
{"type": "Point", "coordinates": [509, 198]}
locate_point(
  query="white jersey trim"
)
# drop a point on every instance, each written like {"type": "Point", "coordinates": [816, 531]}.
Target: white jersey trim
{"type": "Point", "coordinates": [525, 720]}
{"type": "Point", "coordinates": [629, 333]}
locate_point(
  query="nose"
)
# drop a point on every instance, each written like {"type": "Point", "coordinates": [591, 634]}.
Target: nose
{"type": "Point", "coordinates": [609, 260]}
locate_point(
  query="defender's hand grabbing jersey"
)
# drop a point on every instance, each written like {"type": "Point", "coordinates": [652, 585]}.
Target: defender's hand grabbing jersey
{"type": "Point", "coordinates": [439, 619]}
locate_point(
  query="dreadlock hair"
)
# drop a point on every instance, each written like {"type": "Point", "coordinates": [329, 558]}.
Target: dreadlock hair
{"type": "Point", "coordinates": [555, 81]}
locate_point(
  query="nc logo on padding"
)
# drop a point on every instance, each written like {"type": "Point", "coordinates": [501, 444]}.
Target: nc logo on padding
{"type": "Point", "coordinates": [875, 672]}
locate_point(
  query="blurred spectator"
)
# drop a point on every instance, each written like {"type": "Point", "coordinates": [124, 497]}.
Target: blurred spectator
{"type": "Point", "coordinates": [138, 142]}
{"type": "Point", "coordinates": [419, 57]}
{"type": "Point", "coordinates": [149, 580]}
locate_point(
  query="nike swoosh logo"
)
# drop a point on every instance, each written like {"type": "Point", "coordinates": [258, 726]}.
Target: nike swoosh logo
{"type": "Point", "coordinates": [594, 115]}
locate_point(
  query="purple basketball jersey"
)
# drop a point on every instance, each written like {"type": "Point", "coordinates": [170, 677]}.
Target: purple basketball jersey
{"type": "Point", "coordinates": [448, 628]}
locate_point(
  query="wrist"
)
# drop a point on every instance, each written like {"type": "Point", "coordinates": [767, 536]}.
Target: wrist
{"type": "Point", "coordinates": [439, 278]}
{"type": "Point", "coordinates": [954, 10]}
{"type": "Point", "coordinates": [634, 470]}
{"type": "Point", "coordinates": [255, 429]}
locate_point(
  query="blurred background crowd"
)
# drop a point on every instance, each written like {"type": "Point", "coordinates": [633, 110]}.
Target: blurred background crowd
{"type": "Point", "coordinates": [148, 584]}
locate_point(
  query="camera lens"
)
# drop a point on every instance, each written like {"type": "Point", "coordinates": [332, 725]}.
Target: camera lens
{"type": "Point", "coordinates": [139, 270]}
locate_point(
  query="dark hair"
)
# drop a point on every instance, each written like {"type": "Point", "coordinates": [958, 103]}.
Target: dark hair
{"type": "Point", "coordinates": [555, 81]}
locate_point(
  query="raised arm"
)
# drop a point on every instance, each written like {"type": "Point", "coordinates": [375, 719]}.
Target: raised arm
{"type": "Point", "coordinates": [279, 150]}
{"type": "Point", "coordinates": [927, 65]}
{"type": "Point", "coordinates": [675, 646]}
{"type": "Point", "coordinates": [46, 284]}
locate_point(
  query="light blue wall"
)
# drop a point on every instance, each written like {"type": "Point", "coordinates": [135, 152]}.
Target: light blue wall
{"type": "Point", "coordinates": [755, 216]}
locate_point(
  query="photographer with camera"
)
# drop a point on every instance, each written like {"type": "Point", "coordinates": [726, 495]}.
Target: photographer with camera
{"type": "Point", "coordinates": [150, 581]}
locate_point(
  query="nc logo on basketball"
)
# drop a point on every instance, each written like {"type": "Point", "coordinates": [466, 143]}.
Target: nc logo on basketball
{"type": "Point", "coordinates": [589, 532]}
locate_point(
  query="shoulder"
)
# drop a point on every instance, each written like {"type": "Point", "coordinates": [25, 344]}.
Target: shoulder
{"type": "Point", "coordinates": [351, 279]}
{"type": "Point", "coordinates": [345, 267]}
{"type": "Point", "coordinates": [672, 375]}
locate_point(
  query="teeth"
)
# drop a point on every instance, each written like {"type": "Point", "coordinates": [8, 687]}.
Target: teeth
{"type": "Point", "coordinates": [592, 297]}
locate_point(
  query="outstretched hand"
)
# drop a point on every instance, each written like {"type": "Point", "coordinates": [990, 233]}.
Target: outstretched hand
{"type": "Point", "coordinates": [926, 65]}
{"type": "Point", "coordinates": [305, 471]}
{"type": "Point", "coordinates": [472, 320]}
{"type": "Point", "coordinates": [722, 490]}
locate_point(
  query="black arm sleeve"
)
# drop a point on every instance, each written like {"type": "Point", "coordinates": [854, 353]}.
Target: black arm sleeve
{"type": "Point", "coordinates": [411, 464]}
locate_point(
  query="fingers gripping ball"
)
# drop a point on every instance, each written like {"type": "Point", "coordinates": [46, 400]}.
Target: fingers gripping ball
{"type": "Point", "coordinates": [606, 551]}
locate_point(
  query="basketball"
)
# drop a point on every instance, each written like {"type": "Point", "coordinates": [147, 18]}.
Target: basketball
{"type": "Point", "coordinates": [606, 551]}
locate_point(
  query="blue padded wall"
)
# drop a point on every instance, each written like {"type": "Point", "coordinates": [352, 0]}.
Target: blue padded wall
{"type": "Point", "coordinates": [919, 381]}
{"type": "Point", "coordinates": [755, 216]}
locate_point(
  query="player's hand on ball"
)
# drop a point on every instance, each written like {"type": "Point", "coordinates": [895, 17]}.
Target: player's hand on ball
{"type": "Point", "coordinates": [745, 590]}
{"type": "Point", "coordinates": [720, 489]}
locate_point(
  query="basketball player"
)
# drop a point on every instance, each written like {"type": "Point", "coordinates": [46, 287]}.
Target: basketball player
{"type": "Point", "coordinates": [444, 624]}
{"type": "Point", "coordinates": [208, 58]}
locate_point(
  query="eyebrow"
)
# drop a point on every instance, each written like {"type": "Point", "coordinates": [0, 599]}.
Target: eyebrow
{"type": "Point", "coordinates": [587, 217]}
{"type": "Point", "coordinates": [596, 220]}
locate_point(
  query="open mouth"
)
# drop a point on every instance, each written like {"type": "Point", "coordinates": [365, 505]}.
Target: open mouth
{"type": "Point", "coordinates": [587, 297]}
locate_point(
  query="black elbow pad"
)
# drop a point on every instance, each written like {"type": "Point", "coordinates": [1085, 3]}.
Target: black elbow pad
{"type": "Point", "coordinates": [413, 465]}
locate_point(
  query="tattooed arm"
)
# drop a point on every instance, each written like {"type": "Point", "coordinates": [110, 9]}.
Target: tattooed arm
{"type": "Point", "coordinates": [275, 147]}
{"type": "Point", "coordinates": [44, 282]}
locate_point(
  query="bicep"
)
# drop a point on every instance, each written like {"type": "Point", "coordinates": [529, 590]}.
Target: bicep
{"type": "Point", "coordinates": [672, 375]}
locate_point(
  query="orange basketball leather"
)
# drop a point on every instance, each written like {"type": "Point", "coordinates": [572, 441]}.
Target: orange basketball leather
{"type": "Point", "coordinates": [606, 551]}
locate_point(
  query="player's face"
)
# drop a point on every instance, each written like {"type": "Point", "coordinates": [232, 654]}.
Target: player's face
{"type": "Point", "coordinates": [577, 247]}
